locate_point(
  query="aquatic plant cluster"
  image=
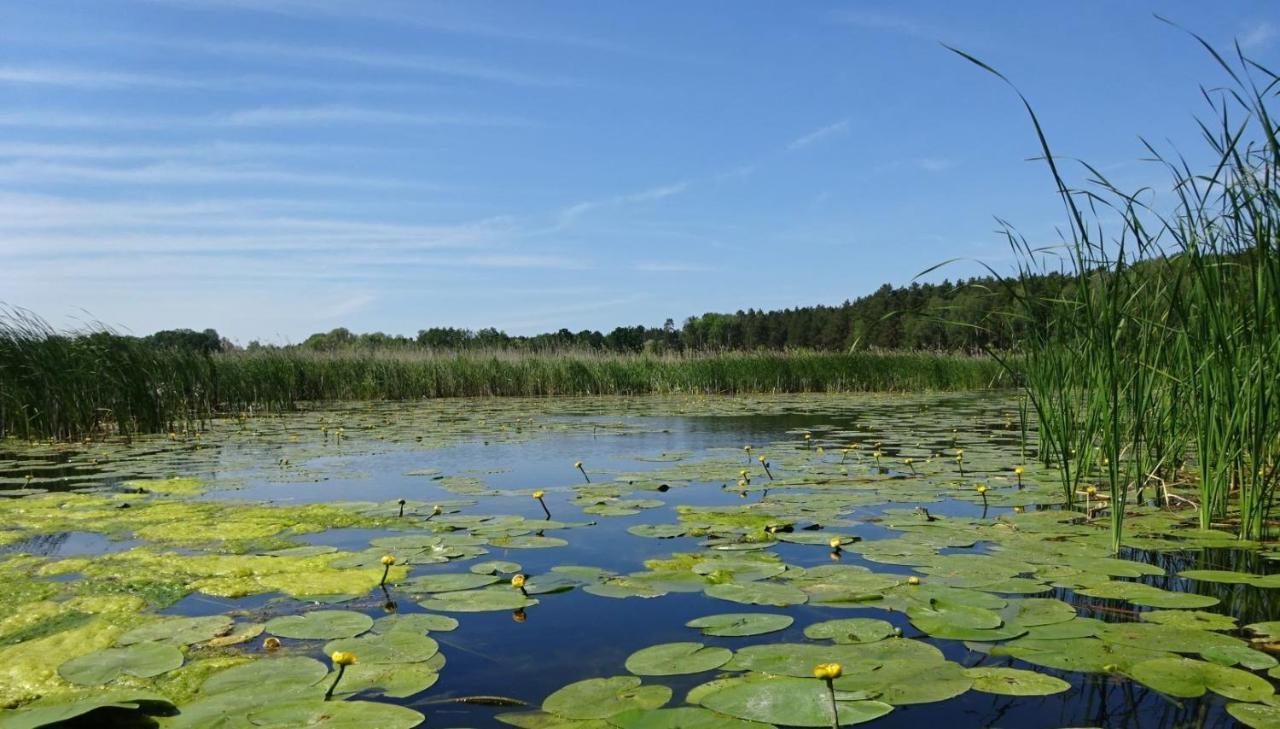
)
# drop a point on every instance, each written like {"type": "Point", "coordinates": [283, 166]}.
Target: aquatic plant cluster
{"type": "Point", "coordinates": [875, 554]}
{"type": "Point", "coordinates": [88, 384]}
{"type": "Point", "coordinates": [1161, 363]}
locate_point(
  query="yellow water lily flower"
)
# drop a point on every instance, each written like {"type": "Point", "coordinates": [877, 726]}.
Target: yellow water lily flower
{"type": "Point", "coordinates": [834, 542]}
{"type": "Point", "coordinates": [1018, 470]}
{"type": "Point", "coordinates": [388, 560]}
{"type": "Point", "coordinates": [577, 464]}
{"type": "Point", "coordinates": [828, 671]}
{"type": "Point", "coordinates": [981, 488]}
{"type": "Point", "coordinates": [271, 643]}
{"type": "Point", "coordinates": [913, 580]}
{"type": "Point", "coordinates": [343, 658]}
{"type": "Point", "coordinates": [539, 494]}
{"type": "Point", "coordinates": [517, 581]}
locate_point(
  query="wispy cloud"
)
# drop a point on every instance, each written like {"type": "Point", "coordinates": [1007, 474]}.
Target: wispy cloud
{"type": "Point", "coordinates": [820, 134]}
{"type": "Point", "coordinates": [670, 267]}
{"type": "Point", "coordinates": [1259, 35]}
{"type": "Point", "coordinates": [888, 23]}
{"type": "Point", "coordinates": [181, 173]}
{"type": "Point", "coordinates": [935, 164]}
{"type": "Point", "coordinates": [257, 117]}
{"type": "Point", "coordinates": [572, 213]}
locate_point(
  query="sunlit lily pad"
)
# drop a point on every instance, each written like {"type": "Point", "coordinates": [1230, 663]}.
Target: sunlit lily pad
{"type": "Point", "coordinates": [741, 624]}
{"type": "Point", "coordinates": [758, 593]}
{"type": "Point", "coordinates": [599, 698]}
{"type": "Point", "coordinates": [685, 717]}
{"type": "Point", "coordinates": [396, 646]}
{"type": "Point", "coordinates": [1255, 716]}
{"type": "Point", "coordinates": [1014, 681]}
{"type": "Point", "coordinates": [141, 660]}
{"type": "Point", "coordinates": [803, 702]}
{"type": "Point", "coordinates": [851, 630]}
{"type": "Point", "coordinates": [179, 631]}
{"type": "Point", "coordinates": [672, 659]}
{"type": "Point", "coordinates": [475, 601]}
{"type": "Point", "coordinates": [53, 712]}
{"type": "Point", "coordinates": [415, 622]}
{"type": "Point", "coordinates": [1189, 678]}
{"type": "Point", "coordinates": [335, 715]}
{"type": "Point", "coordinates": [320, 625]}
{"type": "Point", "coordinates": [447, 582]}
{"type": "Point", "coordinates": [267, 675]}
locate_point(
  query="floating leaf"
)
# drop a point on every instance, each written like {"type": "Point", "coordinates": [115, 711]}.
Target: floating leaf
{"type": "Point", "coordinates": [758, 593]}
{"type": "Point", "coordinates": [266, 676]}
{"type": "Point", "coordinates": [179, 631]}
{"type": "Point", "coordinates": [741, 624]}
{"type": "Point", "coordinates": [673, 659]}
{"type": "Point", "coordinates": [335, 715]}
{"type": "Point", "coordinates": [141, 660]}
{"type": "Point", "coordinates": [851, 630]}
{"type": "Point", "coordinates": [475, 601]}
{"type": "Point", "coordinates": [599, 698]}
{"type": "Point", "coordinates": [320, 625]}
{"type": "Point", "coordinates": [415, 623]}
{"type": "Point", "coordinates": [1014, 681]}
{"type": "Point", "coordinates": [1188, 678]}
{"type": "Point", "coordinates": [1256, 716]}
{"type": "Point", "coordinates": [685, 717]}
{"type": "Point", "coordinates": [54, 712]}
{"type": "Point", "coordinates": [801, 702]}
{"type": "Point", "coordinates": [396, 646]}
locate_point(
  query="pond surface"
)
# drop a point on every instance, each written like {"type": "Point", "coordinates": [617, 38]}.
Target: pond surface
{"type": "Point", "coordinates": [672, 532]}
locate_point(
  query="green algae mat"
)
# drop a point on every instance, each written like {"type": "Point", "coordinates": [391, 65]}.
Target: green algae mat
{"type": "Point", "coordinates": [645, 563]}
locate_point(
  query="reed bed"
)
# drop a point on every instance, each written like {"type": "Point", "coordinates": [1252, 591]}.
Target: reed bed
{"type": "Point", "coordinates": [70, 385]}
{"type": "Point", "coordinates": [1160, 363]}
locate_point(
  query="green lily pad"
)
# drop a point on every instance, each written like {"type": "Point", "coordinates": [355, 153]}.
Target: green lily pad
{"type": "Point", "coordinates": [447, 582]}
{"type": "Point", "coordinates": [1243, 655]}
{"type": "Point", "coordinates": [179, 631]}
{"type": "Point", "coordinates": [1143, 594]}
{"type": "Point", "coordinates": [54, 712]}
{"type": "Point", "coordinates": [685, 717]}
{"type": "Point", "coordinates": [320, 625]}
{"type": "Point", "coordinates": [141, 660]}
{"type": "Point", "coordinates": [415, 623]}
{"type": "Point", "coordinates": [476, 601]}
{"type": "Point", "coordinates": [335, 715]}
{"type": "Point", "coordinates": [1255, 716]}
{"type": "Point", "coordinates": [266, 676]}
{"type": "Point", "coordinates": [1190, 619]}
{"type": "Point", "coordinates": [494, 567]}
{"type": "Point", "coordinates": [396, 646]}
{"type": "Point", "coordinates": [1189, 678]}
{"type": "Point", "coordinates": [673, 659]}
{"type": "Point", "coordinates": [741, 624]}
{"type": "Point", "coordinates": [851, 630]}
{"type": "Point", "coordinates": [920, 679]}
{"type": "Point", "coordinates": [600, 698]}
{"type": "Point", "coordinates": [758, 593]}
{"type": "Point", "coordinates": [1014, 681]}
{"type": "Point", "coordinates": [803, 702]}
{"type": "Point", "coordinates": [394, 680]}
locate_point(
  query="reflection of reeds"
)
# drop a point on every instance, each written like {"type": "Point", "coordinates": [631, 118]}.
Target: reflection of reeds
{"type": "Point", "coordinates": [1165, 338]}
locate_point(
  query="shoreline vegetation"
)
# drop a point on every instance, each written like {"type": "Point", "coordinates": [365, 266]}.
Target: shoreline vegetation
{"type": "Point", "coordinates": [77, 385]}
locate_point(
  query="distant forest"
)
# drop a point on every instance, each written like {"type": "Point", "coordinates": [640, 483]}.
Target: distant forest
{"type": "Point", "coordinates": [958, 316]}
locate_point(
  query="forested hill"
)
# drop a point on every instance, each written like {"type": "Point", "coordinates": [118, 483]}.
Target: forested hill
{"type": "Point", "coordinates": [949, 316]}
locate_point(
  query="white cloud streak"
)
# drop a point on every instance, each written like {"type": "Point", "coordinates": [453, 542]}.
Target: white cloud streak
{"type": "Point", "coordinates": [820, 134]}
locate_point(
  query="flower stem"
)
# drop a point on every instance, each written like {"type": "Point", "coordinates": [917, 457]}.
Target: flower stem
{"type": "Point", "coordinates": [835, 712]}
{"type": "Point", "coordinates": [343, 669]}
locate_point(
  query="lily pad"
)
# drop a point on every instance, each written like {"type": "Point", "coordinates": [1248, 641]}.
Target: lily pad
{"type": "Point", "coordinates": [674, 659]}
{"type": "Point", "coordinates": [415, 623]}
{"type": "Point", "coordinates": [396, 646]}
{"type": "Point", "coordinates": [731, 625]}
{"type": "Point", "coordinates": [320, 625]}
{"type": "Point", "coordinates": [267, 676]}
{"type": "Point", "coordinates": [141, 660]}
{"type": "Point", "coordinates": [851, 630]}
{"type": "Point", "coordinates": [335, 715]}
{"type": "Point", "coordinates": [803, 702]}
{"type": "Point", "coordinates": [1014, 681]}
{"type": "Point", "coordinates": [684, 717]}
{"type": "Point", "coordinates": [54, 712]}
{"type": "Point", "coordinates": [476, 601]}
{"type": "Point", "coordinates": [1255, 716]}
{"type": "Point", "coordinates": [758, 593]}
{"type": "Point", "coordinates": [1189, 678]}
{"type": "Point", "coordinates": [600, 698]}
{"type": "Point", "coordinates": [179, 631]}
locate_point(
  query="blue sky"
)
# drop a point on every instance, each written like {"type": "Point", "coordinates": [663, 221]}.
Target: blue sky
{"type": "Point", "coordinates": [273, 168]}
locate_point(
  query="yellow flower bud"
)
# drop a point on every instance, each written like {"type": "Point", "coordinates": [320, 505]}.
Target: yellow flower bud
{"type": "Point", "coordinates": [913, 580]}
{"type": "Point", "coordinates": [539, 494]}
{"type": "Point", "coordinates": [760, 458]}
{"type": "Point", "coordinates": [437, 510]}
{"type": "Point", "coordinates": [981, 488]}
{"type": "Point", "coordinates": [343, 658]}
{"type": "Point", "coordinates": [834, 542]}
{"type": "Point", "coordinates": [271, 643]}
{"type": "Point", "coordinates": [828, 671]}
{"type": "Point", "coordinates": [1091, 489]}
{"type": "Point", "coordinates": [387, 560]}
{"type": "Point", "coordinates": [1018, 470]}
{"type": "Point", "coordinates": [517, 581]}
{"type": "Point", "coordinates": [577, 464]}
